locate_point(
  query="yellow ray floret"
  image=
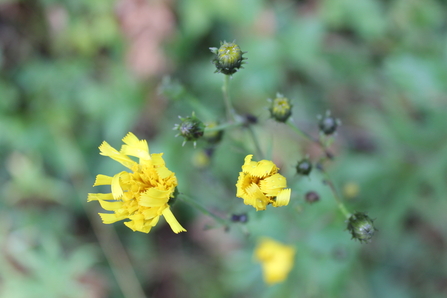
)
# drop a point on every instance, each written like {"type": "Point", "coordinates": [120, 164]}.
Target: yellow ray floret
{"type": "Point", "coordinates": [260, 184]}
{"type": "Point", "coordinates": [140, 196]}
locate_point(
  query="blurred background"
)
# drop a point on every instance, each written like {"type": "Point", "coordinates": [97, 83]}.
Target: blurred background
{"type": "Point", "coordinates": [75, 73]}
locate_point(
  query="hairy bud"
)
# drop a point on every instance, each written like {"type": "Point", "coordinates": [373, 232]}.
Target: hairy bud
{"type": "Point", "coordinates": [304, 167]}
{"type": "Point", "coordinates": [361, 227]}
{"type": "Point", "coordinates": [281, 108]}
{"type": "Point", "coordinates": [328, 124]}
{"type": "Point", "coordinates": [191, 128]}
{"type": "Point", "coordinates": [228, 58]}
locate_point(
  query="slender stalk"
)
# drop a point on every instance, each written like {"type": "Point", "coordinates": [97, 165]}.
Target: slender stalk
{"type": "Point", "coordinates": [340, 204]}
{"type": "Point", "coordinates": [195, 204]}
{"type": "Point", "coordinates": [224, 126]}
{"type": "Point", "coordinates": [302, 133]}
{"type": "Point", "coordinates": [227, 99]}
{"type": "Point", "coordinates": [199, 107]}
{"type": "Point", "coordinates": [328, 179]}
{"type": "Point", "coordinates": [311, 139]}
{"type": "Point", "coordinates": [256, 142]}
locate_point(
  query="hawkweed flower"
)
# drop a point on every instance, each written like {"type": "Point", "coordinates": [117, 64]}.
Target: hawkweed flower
{"type": "Point", "coordinates": [141, 195]}
{"type": "Point", "coordinates": [191, 129]}
{"type": "Point", "coordinates": [280, 108]}
{"type": "Point", "coordinates": [260, 184]}
{"type": "Point", "coordinates": [276, 259]}
{"type": "Point", "coordinates": [228, 58]}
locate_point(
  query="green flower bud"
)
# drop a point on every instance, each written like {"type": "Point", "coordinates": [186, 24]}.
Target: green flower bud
{"type": "Point", "coordinates": [228, 58]}
{"type": "Point", "coordinates": [304, 167]}
{"type": "Point", "coordinates": [191, 128]}
{"type": "Point", "coordinates": [280, 109]}
{"type": "Point", "coordinates": [361, 227]}
{"type": "Point", "coordinates": [328, 124]}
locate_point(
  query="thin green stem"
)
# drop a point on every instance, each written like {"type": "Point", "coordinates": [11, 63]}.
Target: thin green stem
{"type": "Point", "coordinates": [256, 142]}
{"type": "Point", "coordinates": [227, 99]}
{"type": "Point", "coordinates": [302, 133]}
{"type": "Point", "coordinates": [311, 139]}
{"type": "Point", "coordinates": [195, 204]}
{"type": "Point", "coordinates": [225, 126]}
{"type": "Point", "coordinates": [200, 108]}
{"type": "Point", "coordinates": [340, 204]}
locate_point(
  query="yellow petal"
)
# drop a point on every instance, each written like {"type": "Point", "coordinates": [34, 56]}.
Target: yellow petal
{"type": "Point", "coordinates": [133, 226]}
{"type": "Point", "coordinates": [283, 198]}
{"type": "Point", "coordinates": [117, 191]}
{"type": "Point", "coordinates": [154, 197]}
{"type": "Point", "coordinates": [172, 221]}
{"type": "Point", "coordinates": [99, 196]}
{"type": "Point", "coordinates": [247, 159]}
{"type": "Point", "coordinates": [255, 197]}
{"type": "Point", "coordinates": [272, 185]}
{"type": "Point", "coordinates": [163, 172]}
{"type": "Point", "coordinates": [146, 229]}
{"type": "Point", "coordinates": [242, 183]}
{"type": "Point", "coordinates": [111, 152]}
{"type": "Point", "coordinates": [103, 180]}
{"type": "Point", "coordinates": [130, 225]}
{"type": "Point", "coordinates": [263, 168]}
{"type": "Point", "coordinates": [110, 206]}
{"type": "Point", "coordinates": [151, 213]}
{"type": "Point", "coordinates": [135, 147]}
{"type": "Point", "coordinates": [109, 218]}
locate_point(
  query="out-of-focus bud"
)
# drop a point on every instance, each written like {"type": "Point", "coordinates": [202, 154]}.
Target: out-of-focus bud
{"type": "Point", "coordinates": [311, 197]}
{"type": "Point", "coordinates": [361, 227]}
{"type": "Point", "coordinates": [242, 218]}
{"type": "Point", "coordinates": [228, 58]}
{"type": "Point", "coordinates": [351, 190]}
{"type": "Point", "coordinates": [250, 119]}
{"type": "Point", "coordinates": [201, 158]}
{"type": "Point", "coordinates": [304, 167]}
{"type": "Point", "coordinates": [280, 108]}
{"type": "Point", "coordinates": [328, 124]}
{"type": "Point", "coordinates": [191, 128]}
{"type": "Point", "coordinates": [213, 136]}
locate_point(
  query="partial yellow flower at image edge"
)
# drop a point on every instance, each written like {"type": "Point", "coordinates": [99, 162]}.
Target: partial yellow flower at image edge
{"type": "Point", "coordinates": [276, 259]}
{"type": "Point", "coordinates": [260, 184]}
{"type": "Point", "coordinates": [141, 195]}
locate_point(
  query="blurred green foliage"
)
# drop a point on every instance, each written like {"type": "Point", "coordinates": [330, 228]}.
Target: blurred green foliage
{"type": "Point", "coordinates": [66, 84]}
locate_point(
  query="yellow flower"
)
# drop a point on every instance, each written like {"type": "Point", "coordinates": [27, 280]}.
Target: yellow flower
{"type": "Point", "coordinates": [142, 195]}
{"type": "Point", "coordinates": [276, 260]}
{"type": "Point", "coordinates": [260, 184]}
